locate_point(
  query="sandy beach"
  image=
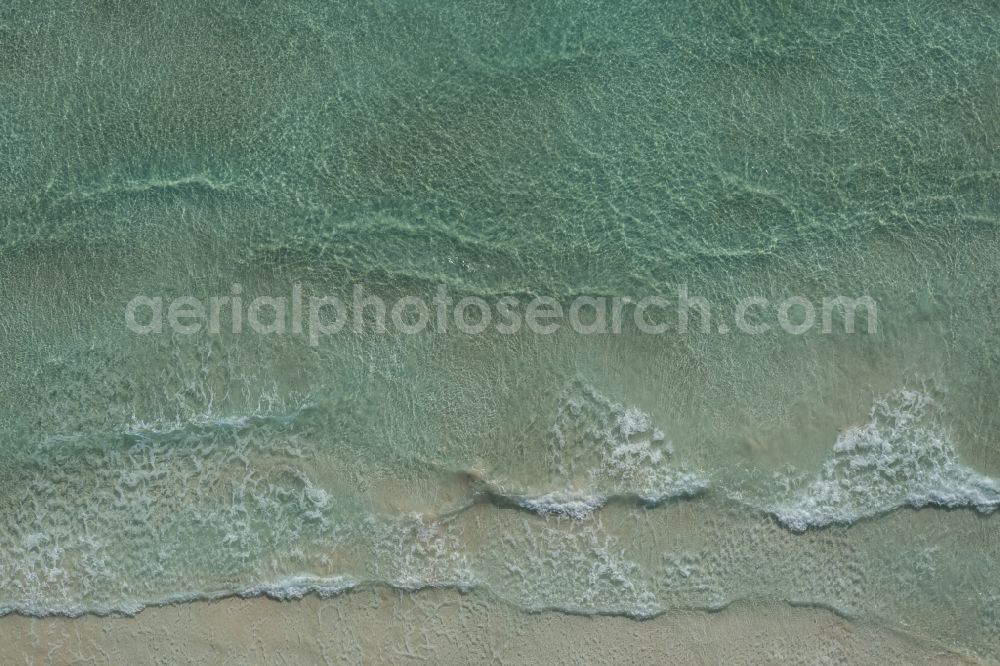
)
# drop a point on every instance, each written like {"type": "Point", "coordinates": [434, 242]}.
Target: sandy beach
{"type": "Point", "coordinates": [448, 627]}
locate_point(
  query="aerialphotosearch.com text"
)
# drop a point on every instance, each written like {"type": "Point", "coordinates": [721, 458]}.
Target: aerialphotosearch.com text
{"type": "Point", "coordinates": [320, 316]}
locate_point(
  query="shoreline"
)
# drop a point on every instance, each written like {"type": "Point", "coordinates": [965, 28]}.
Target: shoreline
{"type": "Point", "coordinates": [448, 626]}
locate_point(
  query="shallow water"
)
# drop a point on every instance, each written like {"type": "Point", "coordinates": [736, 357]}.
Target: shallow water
{"type": "Point", "coordinates": [559, 150]}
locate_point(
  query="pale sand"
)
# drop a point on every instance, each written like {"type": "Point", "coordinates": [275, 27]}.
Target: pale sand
{"type": "Point", "coordinates": [447, 627]}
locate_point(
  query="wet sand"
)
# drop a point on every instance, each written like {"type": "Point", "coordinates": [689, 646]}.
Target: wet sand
{"type": "Point", "coordinates": [446, 627]}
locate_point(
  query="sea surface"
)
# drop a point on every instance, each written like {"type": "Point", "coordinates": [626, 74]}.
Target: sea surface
{"type": "Point", "coordinates": [504, 149]}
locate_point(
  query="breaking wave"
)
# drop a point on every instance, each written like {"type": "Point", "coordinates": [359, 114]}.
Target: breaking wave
{"type": "Point", "coordinates": [903, 456]}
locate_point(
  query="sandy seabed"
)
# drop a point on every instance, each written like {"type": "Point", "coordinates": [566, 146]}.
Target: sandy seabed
{"type": "Point", "coordinates": [447, 627]}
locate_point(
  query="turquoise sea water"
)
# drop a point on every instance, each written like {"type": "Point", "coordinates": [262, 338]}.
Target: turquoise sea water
{"type": "Point", "coordinates": [516, 149]}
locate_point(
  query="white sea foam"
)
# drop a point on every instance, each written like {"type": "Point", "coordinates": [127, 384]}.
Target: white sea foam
{"type": "Point", "coordinates": [210, 420]}
{"type": "Point", "coordinates": [415, 551]}
{"type": "Point", "coordinates": [903, 456]}
{"type": "Point", "coordinates": [286, 589]}
{"type": "Point", "coordinates": [559, 503]}
{"type": "Point", "coordinates": [296, 587]}
{"type": "Point", "coordinates": [574, 568]}
{"type": "Point", "coordinates": [599, 449]}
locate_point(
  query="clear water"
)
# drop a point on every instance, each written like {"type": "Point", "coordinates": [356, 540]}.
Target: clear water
{"type": "Point", "coordinates": [558, 149]}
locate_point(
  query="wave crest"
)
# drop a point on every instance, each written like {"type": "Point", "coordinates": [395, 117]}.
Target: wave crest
{"type": "Point", "coordinates": [903, 456]}
{"type": "Point", "coordinates": [600, 449]}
